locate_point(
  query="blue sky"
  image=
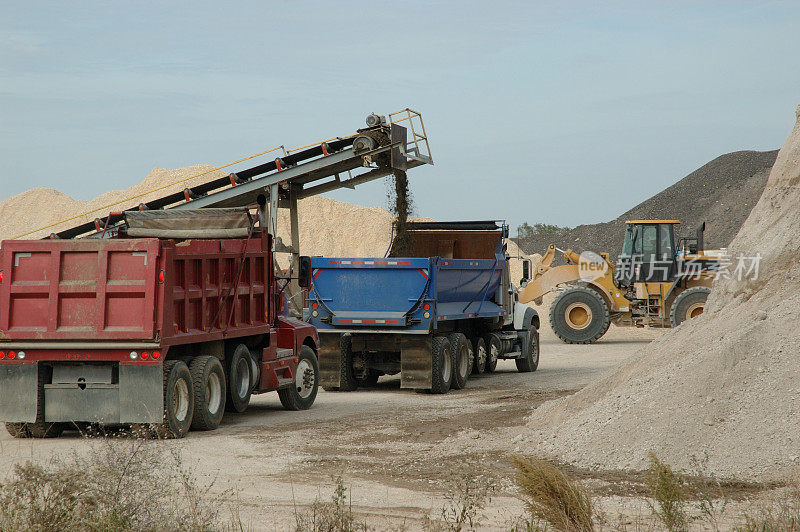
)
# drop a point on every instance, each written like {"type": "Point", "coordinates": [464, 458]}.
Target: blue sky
{"type": "Point", "coordinates": [557, 112]}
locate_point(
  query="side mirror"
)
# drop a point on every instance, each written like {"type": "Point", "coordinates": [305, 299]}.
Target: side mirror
{"type": "Point", "coordinates": [526, 271]}
{"type": "Point", "coordinates": [304, 272]}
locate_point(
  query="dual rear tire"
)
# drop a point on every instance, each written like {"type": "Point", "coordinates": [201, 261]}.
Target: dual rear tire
{"type": "Point", "coordinates": [462, 360]}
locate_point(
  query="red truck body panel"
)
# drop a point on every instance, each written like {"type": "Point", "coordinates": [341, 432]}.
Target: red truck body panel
{"type": "Point", "coordinates": [71, 290]}
{"type": "Point", "coordinates": [136, 289]}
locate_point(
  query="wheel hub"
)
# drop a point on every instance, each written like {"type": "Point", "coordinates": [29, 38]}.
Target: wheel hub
{"type": "Point", "coordinates": [243, 372]}
{"type": "Point", "coordinates": [213, 393]}
{"type": "Point", "coordinates": [180, 400]}
{"type": "Point", "coordinates": [694, 311]}
{"type": "Point", "coordinates": [578, 315]}
{"type": "Point", "coordinates": [463, 361]}
{"type": "Point", "coordinates": [304, 379]}
{"type": "Point", "coordinates": [446, 366]}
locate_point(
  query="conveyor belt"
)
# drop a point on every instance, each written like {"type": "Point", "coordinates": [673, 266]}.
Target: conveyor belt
{"type": "Point", "coordinates": [310, 171]}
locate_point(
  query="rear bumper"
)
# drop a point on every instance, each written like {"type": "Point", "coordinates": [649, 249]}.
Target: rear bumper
{"type": "Point", "coordinates": [135, 397]}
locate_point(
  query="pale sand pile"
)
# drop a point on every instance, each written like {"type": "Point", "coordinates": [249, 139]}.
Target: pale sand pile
{"type": "Point", "coordinates": [327, 227]}
{"type": "Point", "coordinates": [725, 385]}
{"type": "Point", "coordinates": [44, 206]}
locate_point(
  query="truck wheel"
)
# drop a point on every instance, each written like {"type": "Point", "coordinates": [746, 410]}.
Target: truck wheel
{"type": "Point", "coordinates": [301, 395]}
{"type": "Point", "coordinates": [493, 347]}
{"type": "Point", "coordinates": [689, 304]}
{"type": "Point", "coordinates": [178, 400]}
{"type": "Point", "coordinates": [462, 353]}
{"type": "Point", "coordinates": [531, 362]}
{"type": "Point", "coordinates": [579, 315]}
{"type": "Point", "coordinates": [239, 383]}
{"type": "Point", "coordinates": [347, 378]}
{"type": "Point", "coordinates": [442, 364]}
{"type": "Point", "coordinates": [40, 428]}
{"type": "Point", "coordinates": [208, 381]}
{"type": "Point", "coordinates": [479, 356]}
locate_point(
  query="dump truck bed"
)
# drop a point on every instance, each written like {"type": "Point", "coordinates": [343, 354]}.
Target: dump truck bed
{"type": "Point", "coordinates": [124, 290]}
{"type": "Point", "coordinates": [395, 295]}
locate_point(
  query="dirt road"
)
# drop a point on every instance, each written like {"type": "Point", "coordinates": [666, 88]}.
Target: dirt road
{"type": "Point", "coordinates": [396, 451]}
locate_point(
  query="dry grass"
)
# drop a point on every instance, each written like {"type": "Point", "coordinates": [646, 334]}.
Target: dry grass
{"type": "Point", "coordinates": [334, 516]}
{"type": "Point", "coordinates": [132, 485]}
{"type": "Point", "coordinates": [668, 493]}
{"type": "Point", "coordinates": [780, 515]}
{"type": "Point", "coordinates": [552, 497]}
{"type": "Point", "coordinates": [467, 497]}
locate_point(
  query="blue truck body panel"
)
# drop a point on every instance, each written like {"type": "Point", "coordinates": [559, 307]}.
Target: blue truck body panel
{"type": "Point", "coordinates": [390, 295]}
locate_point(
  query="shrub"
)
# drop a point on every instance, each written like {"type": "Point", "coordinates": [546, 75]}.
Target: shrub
{"type": "Point", "coordinates": [468, 495]}
{"type": "Point", "coordinates": [334, 516]}
{"type": "Point", "coordinates": [667, 491]}
{"type": "Point", "coordinates": [553, 497]}
{"type": "Point", "coordinates": [122, 485]}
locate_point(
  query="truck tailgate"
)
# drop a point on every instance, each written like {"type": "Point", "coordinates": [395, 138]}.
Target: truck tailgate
{"type": "Point", "coordinates": [89, 289]}
{"type": "Point", "coordinates": [369, 292]}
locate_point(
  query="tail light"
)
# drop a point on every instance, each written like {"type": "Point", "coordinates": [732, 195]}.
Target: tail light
{"type": "Point", "coordinates": [145, 355]}
{"type": "Point", "coordinates": [2, 355]}
{"type": "Point", "coordinates": [12, 355]}
{"type": "Point", "coordinates": [156, 355]}
{"type": "Point", "coordinates": [426, 306]}
{"type": "Point", "coordinates": [1, 276]}
{"type": "Point", "coordinates": [161, 277]}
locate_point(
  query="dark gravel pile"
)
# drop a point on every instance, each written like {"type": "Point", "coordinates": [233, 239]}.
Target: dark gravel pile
{"type": "Point", "coordinates": [722, 193]}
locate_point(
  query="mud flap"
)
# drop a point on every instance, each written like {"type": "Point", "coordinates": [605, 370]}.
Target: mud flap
{"type": "Point", "coordinates": [330, 361]}
{"type": "Point", "coordinates": [18, 400]}
{"type": "Point", "coordinates": [141, 393]}
{"type": "Point", "coordinates": [137, 398]}
{"type": "Point", "coordinates": [415, 362]}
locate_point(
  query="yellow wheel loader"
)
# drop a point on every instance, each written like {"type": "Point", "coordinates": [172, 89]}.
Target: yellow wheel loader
{"type": "Point", "coordinates": [654, 282]}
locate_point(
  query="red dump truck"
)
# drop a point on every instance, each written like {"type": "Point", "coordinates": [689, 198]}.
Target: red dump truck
{"type": "Point", "coordinates": [168, 322]}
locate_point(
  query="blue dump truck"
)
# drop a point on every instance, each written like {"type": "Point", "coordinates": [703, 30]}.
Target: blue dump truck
{"type": "Point", "coordinates": [443, 311]}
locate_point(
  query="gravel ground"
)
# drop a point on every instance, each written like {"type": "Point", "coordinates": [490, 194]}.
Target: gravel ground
{"type": "Point", "coordinates": [396, 450]}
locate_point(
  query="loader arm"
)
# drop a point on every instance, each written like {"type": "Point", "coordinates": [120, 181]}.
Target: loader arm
{"type": "Point", "coordinates": [546, 278]}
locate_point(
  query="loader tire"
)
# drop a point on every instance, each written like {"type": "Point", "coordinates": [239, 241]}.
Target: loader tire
{"type": "Point", "coordinates": [301, 394]}
{"type": "Point", "coordinates": [579, 315]}
{"type": "Point", "coordinates": [530, 362]}
{"type": "Point", "coordinates": [442, 365]}
{"type": "Point", "coordinates": [208, 381]}
{"type": "Point", "coordinates": [689, 304]}
{"type": "Point", "coordinates": [493, 348]}
{"type": "Point", "coordinates": [178, 401]}
{"type": "Point", "coordinates": [238, 373]}
{"type": "Point", "coordinates": [479, 355]}
{"type": "Point", "coordinates": [462, 353]}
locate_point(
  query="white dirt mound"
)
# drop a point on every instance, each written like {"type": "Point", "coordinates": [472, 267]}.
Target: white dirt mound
{"type": "Point", "coordinates": [327, 227]}
{"type": "Point", "coordinates": [725, 385]}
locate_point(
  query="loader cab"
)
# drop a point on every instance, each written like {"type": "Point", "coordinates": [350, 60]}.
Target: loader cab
{"type": "Point", "coordinates": [648, 252]}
